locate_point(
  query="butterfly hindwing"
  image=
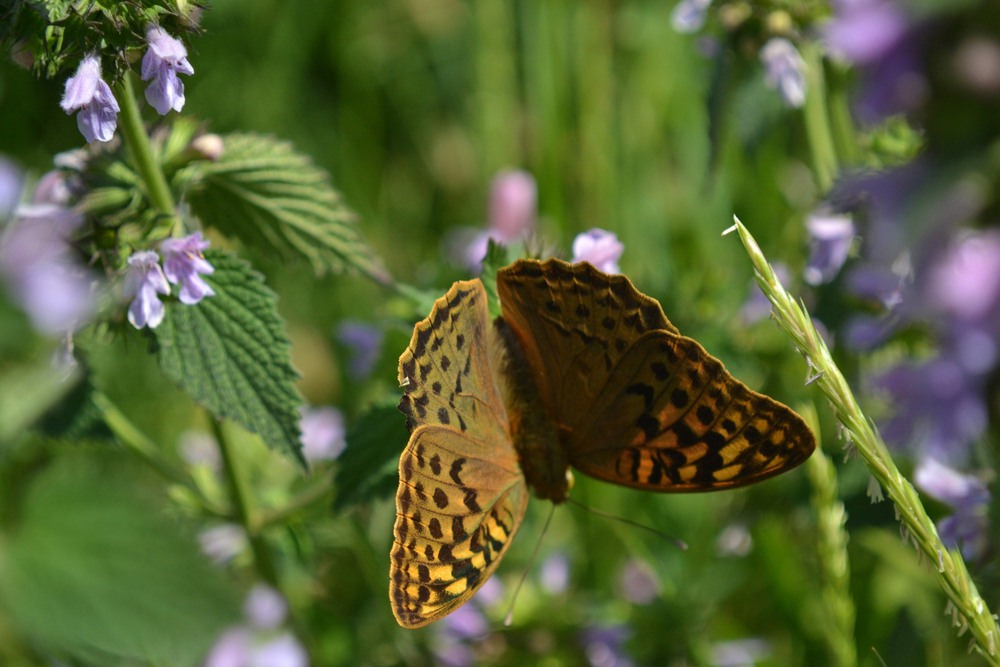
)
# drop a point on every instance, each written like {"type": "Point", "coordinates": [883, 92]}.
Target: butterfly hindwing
{"type": "Point", "coordinates": [457, 510]}
{"type": "Point", "coordinates": [635, 402]}
{"type": "Point", "coordinates": [461, 494]}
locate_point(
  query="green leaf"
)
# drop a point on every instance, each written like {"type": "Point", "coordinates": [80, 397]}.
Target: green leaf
{"type": "Point", "coordinates": [368, 468]}
{"type": "Point", "coordinates": [277, 201]}
{"type": "Point", "coordinates": [76, 416]}
{"type": "Point", "coordinates": [91, 568]}
{"type": "Point", "coordinates": [229, 352]}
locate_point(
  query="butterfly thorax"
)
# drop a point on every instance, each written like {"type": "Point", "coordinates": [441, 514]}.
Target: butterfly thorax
{"type": "Point", "coordinates": [543, 459]}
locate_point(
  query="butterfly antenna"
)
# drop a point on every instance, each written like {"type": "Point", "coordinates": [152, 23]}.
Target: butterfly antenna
{"type": "Point", "coordinates": [680, 544]}
{"type": "Point", "coordinates": [509, 618]}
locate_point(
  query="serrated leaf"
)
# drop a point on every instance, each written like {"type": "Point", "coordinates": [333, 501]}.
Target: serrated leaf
{"type": "Point", "coordinates": [93, 570]}
{"type": "Point", "coordinates": [229, 352]}
{"type": "Point", "coordinates": [76, 416]}
{"type": "Point", "coordinates": [277, 201]}
{"type": "Point", "coordinates": [368, 468]}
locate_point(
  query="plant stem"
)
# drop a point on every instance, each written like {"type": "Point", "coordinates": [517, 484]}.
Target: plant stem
{"type": "Point", "coordinates": [141, 151]}
{"type": "Point", "coordinates": [320, 489]}
{"type": "Point", "coordinates": [817, 120]}
{"type": "Point", "coordinates": [968, 609]}
{"type": "Point", "coordinates": [241, 506]}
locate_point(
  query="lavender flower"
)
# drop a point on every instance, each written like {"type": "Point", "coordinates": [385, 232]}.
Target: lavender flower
{"type": "Point", "coordinates": [88, 92]}
{"type": "Point", "coordinates": [259, 641]}
{"type": "Point", "coordinates": [365, 344]}
{"type": "Point", "coordinates": [638, 582]}
{"type": "Point", "coordinates": [183, 264]}
{"type": "Point", "coordinates": [830, 239]}
{"type": "Point", "coordinates": [512, 217]}
{"type": "Point", "coordinates": [165, 59]}
{"type": "Point", "coordinates": [739, 652]}
{"type": "Point", "coordinates": [143, 282]}
{"type": "Point", "coordinates": [223, 543]}
{"type": "Point", "coordinates": [785, 71]}
{"type": "Point", "coordinates": [11, 182]}
{"type": "Point", "coordinates": [322, 433]}
{"type": "Point", "coordinates": [605, 645]}
{"type": "Point", "coordinates": [863, 31]}
{"type": "Point", "coordinates": [967, 495]}
{"type": "Point", "coordinates": [40, 271]}
{"type": "Point", "coordinates": [689, 16]}
{"type": "Point", "coordinates": [599, 247]}
{"type": "Point", "coordinates": [554, 573]}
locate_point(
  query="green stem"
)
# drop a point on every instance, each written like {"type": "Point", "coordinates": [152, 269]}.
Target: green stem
{"type": "Point", "coordinates": [141, 151]}
{"type": "Point", "coordinates": [817, 120]}
{"type": "Point", "coordinates": [320, 489]}
{"type": "Point", "coordinates": [136, 441]}
{"type": "Point", "coordinates": [241, 506]}
{"type": "Point", "coordinates": [968, 609]}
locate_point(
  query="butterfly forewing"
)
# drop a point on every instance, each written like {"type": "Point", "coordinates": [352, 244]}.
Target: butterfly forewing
{"type": "Point", "coordinates": [461, 494]}
{"type": "Point", "coordinates": [635, 404]}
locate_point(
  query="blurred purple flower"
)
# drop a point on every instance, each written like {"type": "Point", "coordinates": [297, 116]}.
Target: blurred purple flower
{"type": "Point", "coordinates": [605, 645]}
{"type": "Point", "coordinates": [965, 282]}
{"type": "Point", "coordinates": [52, 188]}
{"type": "Point", "coordinates": [197, 448]}
{"type": "Point", "coordinates": [967, 495]}
{"type": "Point", "coordinates": [40, 271]}
{"type": "Point", "coordinates": [264, 608]}
{"type": "Point", "coordinates": [365, 344]}
{"type": "Point", "coordinates": [599, 247]}
{"type": "Point", "coordinates": [830, 239]}
{"type": "Point", "coordinates": [259, 642]}
{"type": "Point", "coordinates": [164, 60]}
{"type": "Point", "coordinates": [638, 582]}
{"type": "Point", "coordinates": [88, 92]}
{"type": "Point", "coordinates": [554, 573]}
{"type": "Point", "coordinates": [143, 282]}
{"type": "Point", "coordinates": [862, 31]}
{"type": "Point", "coordinates": [939, 407]}
{"type": "Point", "coordinates": [223, 543]}
{"type": "Point", "coordinates": [757, 307]}
{"type": "Point", "coordinates": [322, 433]}
{"type": "Point", "coordinates": [689, 16]}
{"type": "Point", "coordinates": [456, 635]}
{"type": "Point", "coordinates": [735, 540]}
{"type": "Point", "coordinates": [184, 264]}
{"type": "Point", "coordinates": [785, 71]}
{"type": "Point", "coordinates": [466, 622]}
{"type": "Point", "coordinates": [512, 217]}
{"type": "Point", "coordinates": [11, 183]}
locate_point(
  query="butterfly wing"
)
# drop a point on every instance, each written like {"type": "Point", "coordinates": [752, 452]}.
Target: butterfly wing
{"type": "Point", "coordinates": [461, 494]}
{"type": "Point", "coordinates": [635, 402]}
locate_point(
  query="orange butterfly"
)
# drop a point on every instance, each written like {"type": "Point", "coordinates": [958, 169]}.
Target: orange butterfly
{"type": "Point", "coordinates": [581, 370]}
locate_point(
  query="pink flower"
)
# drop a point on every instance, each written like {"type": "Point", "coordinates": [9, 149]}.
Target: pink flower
{"type": "Point", "coordinates": [512, 217]}
{"type": "Point", "coordinates": [599, 247]}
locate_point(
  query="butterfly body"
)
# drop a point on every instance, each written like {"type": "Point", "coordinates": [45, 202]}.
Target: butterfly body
{"type": "Point", "coordinates": [580, 370]}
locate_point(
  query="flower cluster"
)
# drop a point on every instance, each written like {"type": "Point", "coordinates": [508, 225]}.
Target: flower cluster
{"type": "Point", "coordinates": [183, 264]}
{"type": "Point", "coordinates": [260, 640]}
{"type": "Point", "coordinates": [88, 93]}
{"type": "Point", "coordinates": [512, 218]}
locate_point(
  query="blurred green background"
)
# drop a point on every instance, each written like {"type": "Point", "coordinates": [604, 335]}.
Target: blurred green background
{"type": "Point", "coordinates": [413, 106]}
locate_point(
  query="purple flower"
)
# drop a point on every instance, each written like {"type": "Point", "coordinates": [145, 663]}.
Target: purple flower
{"type": "Point", "coordinates": [223, 543]}
{"type": "Point", "coordinates": [52, 188]}
{"type": "Point", "coordinates": [165, 59]}
{"type": "Point", "coordinates": [599, 247]}
{"type": "Point", "coordinates": [965, 281]}
{"type": "Point", "coordinates": [512, 217]}
{"type": "Point", "coordinates": [88, 92]}
{"type": "Point", "coordinates": [11, 182]}
{"type": "Point", "coordinates": [939, 407]}
{"type": "Point", "coordinates": [322, 433]}
{"type": "Point", "coordinates": [183, 265]}
{"type": "Point", "coordinates": [554, 573]}
{"type": "Point", "coordinates": [739, 652]}
{"type": "Point", "coordinates": [862, 31]}
{"type": "Point", "coordinates": [40, 271]}
{"type": "Point", "coordinates": [967, 495]}
{"type": "Point", "coordinates": [830, 239]}
{"type": "Point", "coordinates": [689, 16]}
{"type": "Point", "coordinates": [143, 282]}
{"type": "Point", "coordinates": [785, 71]}
{"type": "Point", "coordinates": [259, 641]}
{"type": "Point", "coordinates": [605, 645]}
{"type": "Point", "coordinates": [365, 344]}
{"type": "Point", "coordinates": [638, 582]}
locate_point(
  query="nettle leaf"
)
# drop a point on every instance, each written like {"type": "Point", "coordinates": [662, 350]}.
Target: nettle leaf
{"type": "Point", "coordinates": [230, 353]}
{"type": "Point", "coordinates": [368, 468]}
{"type": "Point", "coordinates": [93, 568]}
{"type": "Point", "coordinates": [276, 200]}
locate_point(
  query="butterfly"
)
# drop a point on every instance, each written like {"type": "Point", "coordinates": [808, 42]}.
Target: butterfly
{"type": "Point", "coordinates": [581, 369]}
